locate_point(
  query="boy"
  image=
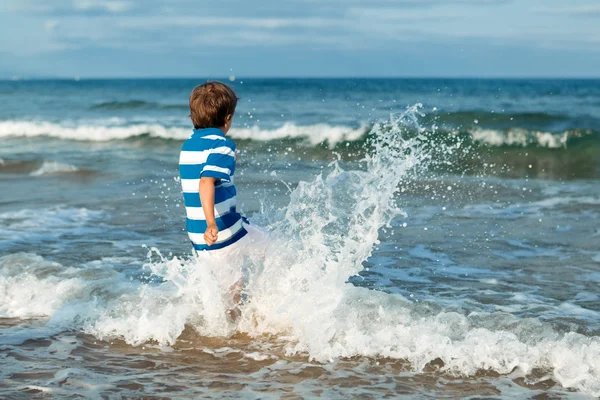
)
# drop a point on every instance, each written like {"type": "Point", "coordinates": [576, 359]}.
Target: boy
{"type": "Point", "coordinates": [207, 161]}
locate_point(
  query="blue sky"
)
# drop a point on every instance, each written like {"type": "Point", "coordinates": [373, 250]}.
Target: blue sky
{"type": "Point", "coordinates": [186, 38]}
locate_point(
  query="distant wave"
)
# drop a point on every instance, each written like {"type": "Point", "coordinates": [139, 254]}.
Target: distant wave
{"type": "Point", "coordinates": [94, 133]}
{"type": "Point", "coordinates": [519, 137]}
{"type": "Point", "coordinates": [310, 134]}
{"type": "Point", "coordinates": [116, 105]}
{"type": "Point", "coordinates": [53, 167]}
{"type": "Point", "coordinates": [20, 166]}
{"type": "Point", "coordinates": [313, 134]}
{"type": "Point", "coordinates": [136, 104]}
{"type": "Point", "coordinates": [485, 117]}
{"type": "Point", "coordinates": [38, 167]}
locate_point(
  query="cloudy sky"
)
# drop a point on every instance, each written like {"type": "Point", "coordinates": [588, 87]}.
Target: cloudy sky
{"type": "Point", "coordinates": [217, 38]}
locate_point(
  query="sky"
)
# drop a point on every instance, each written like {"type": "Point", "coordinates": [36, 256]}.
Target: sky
{"type": "Point", "coordinates": [300, 38]}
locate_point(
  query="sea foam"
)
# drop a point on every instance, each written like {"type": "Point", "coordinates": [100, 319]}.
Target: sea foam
{"type": "Point", "coordinates": [116, 129]}
{"type": "Point", "coordinates": [33, 287]}
{"type": "Point", "coordinates": [312, 134]}
{"type": "Point", "coordinates": [53, 167]}
{"type": "Point", "coordinates": [520, 137]}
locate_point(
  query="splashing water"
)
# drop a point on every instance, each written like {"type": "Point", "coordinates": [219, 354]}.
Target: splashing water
{"type": "Point", "coordinates": [326, 232]}
{"type": "Point", "coordinates": [330, 227]}
{"type": "Point", "coordinates": [320, 240]}
{"type": "Point", "coordinates": [300, 297]}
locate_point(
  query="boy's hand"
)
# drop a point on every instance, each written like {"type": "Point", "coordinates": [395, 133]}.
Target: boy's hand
{"type": "Point", "coordinates": [210, 235]}
{"type": "Point", "coordinates": [207, 198]}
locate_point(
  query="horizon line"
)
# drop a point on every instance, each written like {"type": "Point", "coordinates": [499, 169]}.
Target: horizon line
{"type": "Point", "coordinates": [16, 78]}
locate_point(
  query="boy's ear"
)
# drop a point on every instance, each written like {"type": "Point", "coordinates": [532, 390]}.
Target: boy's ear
{"type": "Point", "coordinates": [228, 117]}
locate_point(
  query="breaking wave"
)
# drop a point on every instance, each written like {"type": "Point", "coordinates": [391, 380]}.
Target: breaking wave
{"type": "Point", "coordinates": [310, 135]}
{"type": "Point", "coordinates": [53, 167]}
{"type": "Point", "coordinates": [136, 105]}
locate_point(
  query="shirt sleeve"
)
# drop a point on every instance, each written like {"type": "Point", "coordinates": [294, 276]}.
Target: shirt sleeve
{"type": "Point", "coordinates": [219, 164]}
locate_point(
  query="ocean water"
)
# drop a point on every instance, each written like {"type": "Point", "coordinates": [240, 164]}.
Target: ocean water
{"type": "Point", "coordinates": [430, 239]}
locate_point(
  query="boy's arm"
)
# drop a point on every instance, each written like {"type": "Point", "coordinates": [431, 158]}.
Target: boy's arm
{"type": "Point", "coordinates": [207, 198]}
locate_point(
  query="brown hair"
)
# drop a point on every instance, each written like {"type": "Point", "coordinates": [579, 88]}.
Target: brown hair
{"type": "Point", "coordinates": [210, 104]}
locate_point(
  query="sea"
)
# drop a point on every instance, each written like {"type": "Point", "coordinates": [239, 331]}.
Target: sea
{"type": "Point", "coordinates": [430, 239]}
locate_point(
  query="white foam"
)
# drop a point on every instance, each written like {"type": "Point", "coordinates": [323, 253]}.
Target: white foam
{"type": "Point", "coordinates": [97, 133]}
{"type": "Point", "coordinates": [520, 137]}
{"type": "Point", "coordinates": [32, 287]}
{"type": "Point", "coordinates": [33, 225]}
{"type": "Point", "coordinates": [257, 356]}
{"type": "Point", "coordinates": [533, 207]}
{"type": "Point", "coordinates": [53, 219]}
{"type": "Point", "coordinates": [53, 167]}
{"type": "Point", "coordinates": [313, 134]}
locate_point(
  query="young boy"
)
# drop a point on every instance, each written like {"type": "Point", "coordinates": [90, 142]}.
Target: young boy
{"type": "Point", "coordinates": [207, 165]}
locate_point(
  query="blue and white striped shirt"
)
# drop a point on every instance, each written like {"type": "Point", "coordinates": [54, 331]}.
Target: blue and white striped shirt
{"type": "Point", "coordinates": [208, 153]}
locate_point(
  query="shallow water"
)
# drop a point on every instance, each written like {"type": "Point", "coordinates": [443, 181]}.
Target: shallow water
{"type": "Point", "coordinates": [482, 261]}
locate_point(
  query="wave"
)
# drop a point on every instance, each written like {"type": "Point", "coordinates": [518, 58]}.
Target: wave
{"type": "Point", "coordinates": [33, 287]}
{"type": "Point", "coordinates": [312, 134]}
{"type": "Point", "coordinates": [136, 104]}
{"type": "Point", "coordinates": [93, 133]}
{"type": "Point", "coordinates": [519, 137]}
{"type": "Point", "coordinates": [53, 167]}
{"type": "Point", "coordinates": [33, 225]}
{"type": "Point", "coordinates": [19, 167]}
{"type": "Point", "coordinates": [38, 167]}
{"type": "Point", "coordinates": [117, 105]}
{"type": "Point", "coordinates": [468, 118]}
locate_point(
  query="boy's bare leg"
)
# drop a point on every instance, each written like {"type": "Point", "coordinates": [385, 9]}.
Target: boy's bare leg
{"type": "Point", "coordinates": [236, 291]}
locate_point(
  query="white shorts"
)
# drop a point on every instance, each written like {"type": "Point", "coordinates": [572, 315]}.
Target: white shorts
{"type": "Point", "coordinates": [229, 263]}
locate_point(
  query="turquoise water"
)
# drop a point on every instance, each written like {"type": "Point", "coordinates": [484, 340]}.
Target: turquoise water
{"type": "Point", "coordinates": [462, 257]}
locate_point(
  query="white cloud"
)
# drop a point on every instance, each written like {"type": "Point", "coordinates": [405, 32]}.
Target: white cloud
{"type": "Point", "coordinates": [349, 24]}
{"type": "Point", "coordinates": [50, 25]}
{"type": "Point", "coordinates": [229, 22]}
{"type": "Point", "coordinates": [66, 7]}
{"type": "Point", "coordinates": [107, 5]}
{"type": "Point", "coordinates": [244, 38]}
{"type": "Point", "coordinates": [583, 11]}
{"type": "Point", "coordinates": [27, 6]}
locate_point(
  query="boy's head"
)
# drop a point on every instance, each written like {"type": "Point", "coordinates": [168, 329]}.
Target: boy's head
{"type": "Point", "coordinates": [212, 106]}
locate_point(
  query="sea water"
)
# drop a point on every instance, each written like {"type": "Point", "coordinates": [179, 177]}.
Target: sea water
{"type": "Point", "coordinates": [429, 238]}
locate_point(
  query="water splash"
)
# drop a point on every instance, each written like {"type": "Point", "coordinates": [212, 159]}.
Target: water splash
{"type": "Point", "coordinates": [319, 241]}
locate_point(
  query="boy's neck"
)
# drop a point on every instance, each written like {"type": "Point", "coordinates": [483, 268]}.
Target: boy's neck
{"type": "Point", "coordinates": [223, 130]}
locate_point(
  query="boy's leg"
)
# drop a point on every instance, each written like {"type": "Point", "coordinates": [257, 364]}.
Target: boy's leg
{"type": "Point", "coordinates": [226, 266]}
{"type": "Point", "coordinates": [236, 291]}
{"type": "Point", "coordinates": [259, 241]}
{"type": "Point", "coordinates": [230, 263]}
{"type": "Point", "coordinates": [251, 249]}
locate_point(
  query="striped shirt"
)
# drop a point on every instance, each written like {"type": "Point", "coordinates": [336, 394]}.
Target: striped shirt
{"type": "Point", "coordinates": [208, 153]}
